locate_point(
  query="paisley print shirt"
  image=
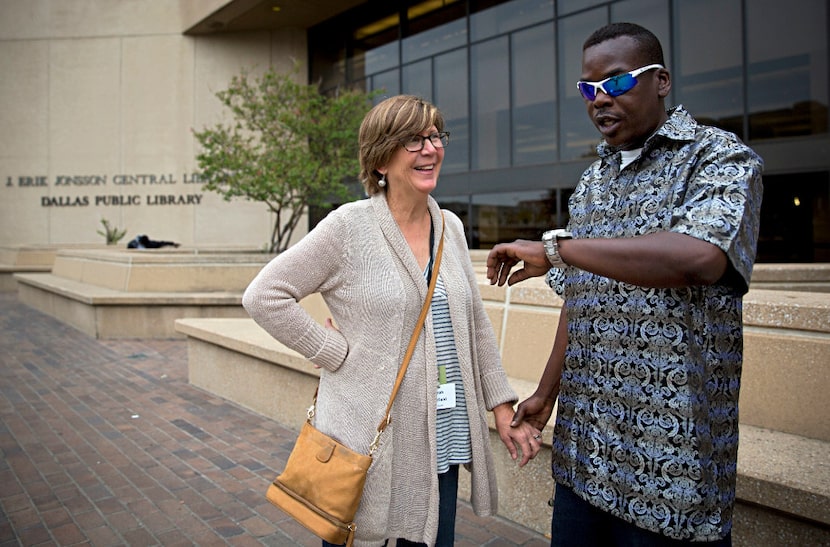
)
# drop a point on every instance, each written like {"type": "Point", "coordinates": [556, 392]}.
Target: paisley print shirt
{"type": "Point", "coordinates": [647, 423]}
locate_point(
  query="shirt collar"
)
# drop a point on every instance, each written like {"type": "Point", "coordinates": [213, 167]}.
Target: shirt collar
{"type": "Point", "coordinates": [680, 126]}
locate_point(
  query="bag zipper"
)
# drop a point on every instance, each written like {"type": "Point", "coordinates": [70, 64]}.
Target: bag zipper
{"type": "Point", "coordinates": [347, 527]}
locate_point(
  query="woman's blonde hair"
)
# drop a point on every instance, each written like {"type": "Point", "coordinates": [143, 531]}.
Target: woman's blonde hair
{"type": "Point", "coordinates": [385, 127]}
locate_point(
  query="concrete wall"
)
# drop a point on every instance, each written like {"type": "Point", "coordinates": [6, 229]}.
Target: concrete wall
{"type": "Point", "coordinates": [97, 97]}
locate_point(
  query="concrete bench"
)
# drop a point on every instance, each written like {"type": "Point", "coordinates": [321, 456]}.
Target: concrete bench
{"type": "Point", "coordinates": [118, 293]}
{"type": "Point", "coordinates": [783, 489]}
{"type": "Point", "coordinates": [106, 313]}
{"type": "Point", "coordinates": [25, 259]}
{"type": "Point", "coordinates": [783, 482]}
{"type": "Point", "coordinates": [792, 277]}
{"type": "Point", "coordinates": [7, 272]}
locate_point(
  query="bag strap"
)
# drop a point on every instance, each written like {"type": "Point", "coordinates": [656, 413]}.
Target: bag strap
{"type": "Point", "coordinates": [387, 419]}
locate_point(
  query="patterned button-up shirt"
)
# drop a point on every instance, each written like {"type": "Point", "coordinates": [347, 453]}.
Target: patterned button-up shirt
{"type": "Point", "coordinates": [647, 423]}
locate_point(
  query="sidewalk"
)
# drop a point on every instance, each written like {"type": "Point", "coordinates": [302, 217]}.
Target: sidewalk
{"type": "Point", "coordinates": [104, 442]}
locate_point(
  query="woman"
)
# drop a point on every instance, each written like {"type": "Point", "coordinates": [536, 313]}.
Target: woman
{"type": "Point", "coordinates": [371, 261]}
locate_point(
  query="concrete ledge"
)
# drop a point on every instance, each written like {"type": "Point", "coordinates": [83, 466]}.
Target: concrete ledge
{"type": "Point", "coordinates": [24, 259]}
{"type": "Point", "coordinates": [813, 277]}
{"type": "Point", "coordinates": [95, 295]}
{"type": "Point", "coordinates": [113, 293]}
{"type": "Point", "coordinates": [105, 313]}
{"type": "Point", "coordinates": [38, 254]}
{"type": "Point", "coordinates": [160, 270]}
{"type": "Point", "coordinates": [111, 264]}
{"type": "Point", "coordinates": [7, 281]}
{"type": "Point", "coordinates": [787, 310]}
{"type": "Point", "coordinates": [783, 479]}
{"type": "Point", "coordinates": [783, 489]}
{"type": "Point", "coordinates": [787, 473]}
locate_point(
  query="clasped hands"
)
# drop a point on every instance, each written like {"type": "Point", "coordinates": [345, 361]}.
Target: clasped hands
{"type": "Point", "coordinates": [521, 438]}
{"type": "Point", "coordinates": [522, 429]}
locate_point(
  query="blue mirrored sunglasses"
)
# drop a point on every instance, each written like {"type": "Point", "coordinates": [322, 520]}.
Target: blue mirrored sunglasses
{"type": "Point", "coordinates": [613, 86]}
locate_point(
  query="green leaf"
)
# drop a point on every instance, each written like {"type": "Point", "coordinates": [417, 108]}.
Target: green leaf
{"type": "Point", "coordinates": [289, 146]}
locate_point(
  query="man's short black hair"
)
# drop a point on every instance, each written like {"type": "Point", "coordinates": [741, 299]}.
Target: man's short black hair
{"type": "Point", "coordinates": [648, 42]}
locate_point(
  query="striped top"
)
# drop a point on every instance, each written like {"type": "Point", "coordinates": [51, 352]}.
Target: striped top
{"type": "Point", "coordinates": [452, 424]}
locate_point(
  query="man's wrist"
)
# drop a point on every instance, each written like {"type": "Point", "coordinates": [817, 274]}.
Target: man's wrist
{"type": "Point", "coordinates": [550, 240]}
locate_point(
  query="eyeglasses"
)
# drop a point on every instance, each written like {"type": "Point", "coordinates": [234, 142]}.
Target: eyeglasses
{"type": "Point", "coordinates": [613, 86]}
{"type": "Point", "coordinates": [415, 143]}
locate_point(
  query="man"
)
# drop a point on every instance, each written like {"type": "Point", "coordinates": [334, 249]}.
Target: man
{"type": "Point", "coordinates": [652, 268]}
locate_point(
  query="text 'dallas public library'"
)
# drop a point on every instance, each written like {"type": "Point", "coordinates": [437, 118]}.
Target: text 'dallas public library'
{"type": "Point", "coordinates": [64, 190]}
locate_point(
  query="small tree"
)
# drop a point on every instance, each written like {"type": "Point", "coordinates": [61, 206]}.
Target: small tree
{"type": "Point", "coordinates": [290, 147]}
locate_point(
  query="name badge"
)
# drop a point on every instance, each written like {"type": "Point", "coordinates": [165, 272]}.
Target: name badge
{"type": "Point", "coordinates": [446, 396]}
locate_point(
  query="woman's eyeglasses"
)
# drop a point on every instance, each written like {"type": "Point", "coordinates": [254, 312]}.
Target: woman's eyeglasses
{"type": "Point", "coordinates": [415, 143]}
{"type": "Point", "coordinates": [613, 86]}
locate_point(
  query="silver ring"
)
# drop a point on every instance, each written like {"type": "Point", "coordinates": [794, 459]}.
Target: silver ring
{"type": "Point", "coordinates": [537, 437]}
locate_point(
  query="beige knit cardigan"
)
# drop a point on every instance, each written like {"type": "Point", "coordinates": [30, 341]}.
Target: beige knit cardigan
{"type": "Point", "coordinates": [358, 259]}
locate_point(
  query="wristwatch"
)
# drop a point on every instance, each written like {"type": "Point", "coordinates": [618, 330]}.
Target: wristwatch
{"type": "Point", "coordinates": [550, 239]}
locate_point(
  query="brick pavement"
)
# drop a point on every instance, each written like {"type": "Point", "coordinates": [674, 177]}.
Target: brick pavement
{"type": "Point", "coordinates": [104, 443]}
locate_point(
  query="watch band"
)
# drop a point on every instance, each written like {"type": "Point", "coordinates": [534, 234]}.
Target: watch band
{"type": "Point", "coordinates": [550, 240]}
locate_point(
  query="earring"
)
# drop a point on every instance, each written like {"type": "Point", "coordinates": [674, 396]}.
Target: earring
{"type": "Point", "coordinates": [382, 181]}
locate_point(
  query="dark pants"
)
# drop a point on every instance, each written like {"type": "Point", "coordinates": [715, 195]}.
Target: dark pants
{"type": "Point", "coordinates": [578, 523]}
{"type": "Point", "coordinates": [448, 496]}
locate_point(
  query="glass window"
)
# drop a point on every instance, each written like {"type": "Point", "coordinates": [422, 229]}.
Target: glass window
{"type": "Point", "coordinates": [417, 79]}
{"type": "Point", "coordinates": [460, 205]}
{"type": "Point", "coordinates": [757, 68]}
{"type": "Point", "coordinates": [509, 16]}
{"type": "Point", "coordinates": [490, 102]}
{"type": "Point", "coordinates": [652, 14]}
{"type": "Point", "coordinates": [787, 91]}
{"type": "Point", "coordinates": [422, 15]}
{"type": "Point", "coordinates": [506, 216]}
{"type": "Point", "coordinates": [327, 60]}
{"type": "Point", "coordinates": [570, 6]}
{"type": "Point", "coordinates": [374, 47]}
{"type": "Point", "coordinates": [436, 40]}
{"type": "Point", "coordinates": [380, 58]}
{"type": "Point", "coordinates": [578, 136]}
{"type": "Point", "coordinates": [533, 80]}
{"type": "Point", "coordinates": [451, 92]}
{"type": "Point", "coordinates": [795, 218]}
{"type": "Point", "coordinates": [707, 78]}
{"type": "Point", "coordinates": [388, 81]}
